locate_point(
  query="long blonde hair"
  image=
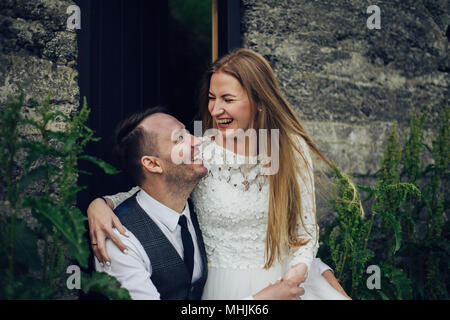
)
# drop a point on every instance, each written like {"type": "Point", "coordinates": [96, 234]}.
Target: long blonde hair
{"type": "Point", "coordinates": [256, 77]}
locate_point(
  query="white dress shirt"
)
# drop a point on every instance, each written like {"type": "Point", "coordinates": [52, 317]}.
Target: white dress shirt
{"type": "Point", "coordinates": [117, 199]}
{"type": "Point", "coordinates": [133, 270]}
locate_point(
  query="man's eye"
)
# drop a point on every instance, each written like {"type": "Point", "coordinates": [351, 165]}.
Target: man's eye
{"type": "Point", "coordinates": [180, 138]}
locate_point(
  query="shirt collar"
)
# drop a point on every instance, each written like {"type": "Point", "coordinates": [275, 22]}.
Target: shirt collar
{"type": "Point", "coordinates": [159, 211]}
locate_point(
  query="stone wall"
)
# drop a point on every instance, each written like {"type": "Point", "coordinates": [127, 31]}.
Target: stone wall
{"type": "Point", "coordinates": [38, 57]}
{"type": "Point", "coordinates": [349, 83]}
{"type": "Point", "coordinates": [37, 54]}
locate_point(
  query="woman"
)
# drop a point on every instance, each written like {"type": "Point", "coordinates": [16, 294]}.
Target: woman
{"type": "Point", "coordinates": [257, 227]}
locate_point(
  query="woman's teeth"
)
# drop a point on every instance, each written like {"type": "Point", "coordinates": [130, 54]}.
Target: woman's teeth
{"type": "Point", "coordinates": [225, 121]}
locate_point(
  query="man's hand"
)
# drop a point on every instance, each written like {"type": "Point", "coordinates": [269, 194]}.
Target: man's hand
{"type": "Point", "coordinates": [283, 289]}
{"type": "Point", "coordinates": [101, 222]}
{"type": "Point", "coordinates": [298, 269]}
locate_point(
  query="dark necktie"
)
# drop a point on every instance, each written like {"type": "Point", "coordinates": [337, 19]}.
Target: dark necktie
{"type": "Point", "coordinates": [188, 245]}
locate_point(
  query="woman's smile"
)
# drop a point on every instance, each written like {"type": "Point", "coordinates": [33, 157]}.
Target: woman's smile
{"type": "Point", "coordinates": [224, 123]}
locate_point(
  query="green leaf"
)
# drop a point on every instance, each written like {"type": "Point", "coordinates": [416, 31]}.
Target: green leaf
{"type": "Point", "coordinates": [69, 143]}
{"type": "Point", "coordinates": [402, 284]}
{"type": "Point", "coordinates": [367, 188]}
{"type": "Point", "coordinates": [397, 228]}
{"type": "Point", "coordinates": [383, 295]}
{"type": "Point", "coordinates": [37, 174]}
{"type": "Point", "coordinates": [107, 168]}
{"type": "Point", "coordinates": [104, 284]}
{"type": "Point", "coordinates": [427, 147]}
{"type": "Point", "coordinates": [84, 172]}
{"type": "Point", "coordinates": [79, 247]}
{"type": "Point", "coordinates": [57, 113]}
{"type": "Point", "coordinates": [41, 149]}
{"type": "Point", "coordinates": [411, 222]}
{"type": "Point", "coordinates": [25, 251]}
{"type": "Point", "coordinates": [31, 158]}
{"type": "Point", "coordinates": [58, 135]}
{"type": "Point", "coordinates": [69, 222]}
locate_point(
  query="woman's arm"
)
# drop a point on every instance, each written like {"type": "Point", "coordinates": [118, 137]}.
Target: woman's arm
{"type": "Point", "coordinates": [101, 222]}
{"type": "Point", "coordinates": [120, 197]}
{"type": "Point", "coordinates": [331, 279]}
{"type": "Point", "coordinates": [303, 257]}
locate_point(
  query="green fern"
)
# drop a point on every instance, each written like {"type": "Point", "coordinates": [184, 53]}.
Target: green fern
{"type": "Point", "coordinates": [40, 175]}
{"type": "Point", "coordinates": [414, 264]}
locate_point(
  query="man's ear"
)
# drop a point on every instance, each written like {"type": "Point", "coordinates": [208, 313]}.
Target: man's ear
{"type": "Point", "coordinates": [151, 164]}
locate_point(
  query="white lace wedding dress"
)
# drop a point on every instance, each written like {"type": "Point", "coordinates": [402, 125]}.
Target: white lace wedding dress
{"type": "Point", "coordinates": [231, 203]}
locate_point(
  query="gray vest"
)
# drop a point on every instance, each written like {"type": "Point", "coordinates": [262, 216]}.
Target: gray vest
{"type": "Point", "coordinates": [169, 273]}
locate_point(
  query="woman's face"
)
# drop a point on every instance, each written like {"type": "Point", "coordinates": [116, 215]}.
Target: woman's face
{"type": "Point", "coordinates": [228, 105]}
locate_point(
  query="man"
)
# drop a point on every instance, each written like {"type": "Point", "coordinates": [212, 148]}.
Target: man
{"type": "Point", "coordinates": [164, 255]}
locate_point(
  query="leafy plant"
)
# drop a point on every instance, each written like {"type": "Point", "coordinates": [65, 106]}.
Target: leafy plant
{"type": "Point", "coordinates": [347, 236]}
{"type": "Point", "coordinates": [406, 230]}
{"type": "Point", "coordinates": [39, 174]}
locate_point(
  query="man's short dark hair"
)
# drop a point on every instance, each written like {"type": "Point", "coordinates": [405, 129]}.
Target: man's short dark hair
{"type": "Point", "coordinates": [132, 142]}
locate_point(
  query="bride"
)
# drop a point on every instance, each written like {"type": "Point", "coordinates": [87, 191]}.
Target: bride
{"type": "Point", "coordinates": [258, 224]}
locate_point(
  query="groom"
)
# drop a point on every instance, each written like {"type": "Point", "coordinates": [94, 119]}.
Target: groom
{"type": "Point", "coordinates": [165, 256]}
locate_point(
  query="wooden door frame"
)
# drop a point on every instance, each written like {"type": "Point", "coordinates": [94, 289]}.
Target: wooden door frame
{"type": "Point", "coordinates": [226, 31]}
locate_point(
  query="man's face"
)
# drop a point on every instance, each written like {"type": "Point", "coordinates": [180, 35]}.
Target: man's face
{"type": "Point", "coordinates": [177, 149]}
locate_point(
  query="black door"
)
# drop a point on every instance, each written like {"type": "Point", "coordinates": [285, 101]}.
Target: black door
{"type": "Point", "coordinates": [135, 54]}
{"type": "Point", "coordinates": [123, 68]}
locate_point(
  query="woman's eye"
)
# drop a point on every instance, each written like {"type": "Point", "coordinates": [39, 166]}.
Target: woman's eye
{"type": "Point", "coordinates": [211, 98]}
{"type": "Point", "coordinates": [228, 100]}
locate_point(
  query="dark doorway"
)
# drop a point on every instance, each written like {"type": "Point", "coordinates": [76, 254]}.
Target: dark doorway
{"type": "Point", "coordinates": [189, 41]}
{"type": "Point", "coordinates": [133, 55]}
{"type": "Point", "coordinates": [123, 69]}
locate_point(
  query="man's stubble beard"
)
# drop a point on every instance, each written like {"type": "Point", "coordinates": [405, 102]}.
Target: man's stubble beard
{"type": "Point", "coordinates": [181, 178]}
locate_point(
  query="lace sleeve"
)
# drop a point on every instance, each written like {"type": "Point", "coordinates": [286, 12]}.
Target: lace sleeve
{"type": "Point", "coordinates": [309, 230]}
{"type": "Point", "coordinates": [120, 197]}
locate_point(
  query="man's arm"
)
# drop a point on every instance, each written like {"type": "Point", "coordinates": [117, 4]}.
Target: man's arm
{"type": "Point", "coordinates": [132, 270]}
